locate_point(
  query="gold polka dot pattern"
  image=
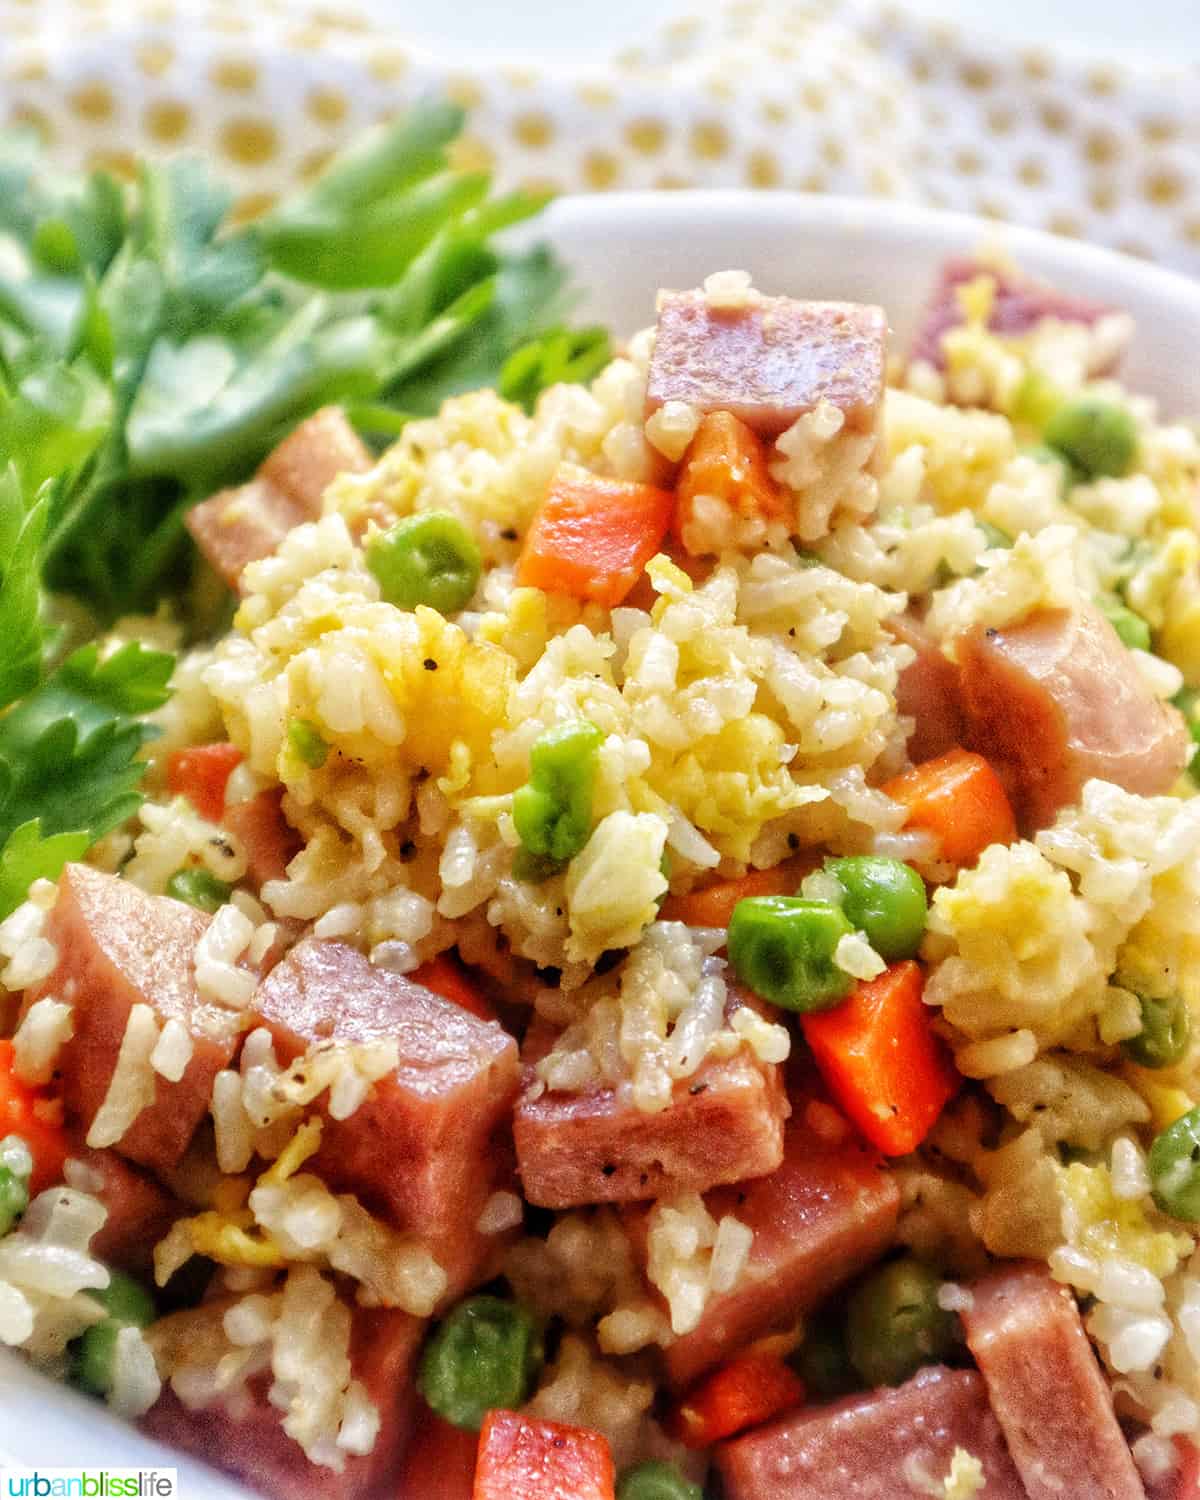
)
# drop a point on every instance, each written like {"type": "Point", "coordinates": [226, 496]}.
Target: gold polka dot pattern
{"type": "Point", "coordinates": [841, 96]}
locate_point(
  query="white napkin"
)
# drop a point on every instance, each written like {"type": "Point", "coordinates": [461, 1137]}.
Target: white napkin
{"type": "Point", "coordinates": [851, 97]}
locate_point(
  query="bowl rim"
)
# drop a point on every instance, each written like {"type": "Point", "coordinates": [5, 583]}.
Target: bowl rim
{"type": "Point", "coordinates": [841, 212]}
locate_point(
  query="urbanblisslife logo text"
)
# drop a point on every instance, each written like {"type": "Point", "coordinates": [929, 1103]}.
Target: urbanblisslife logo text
{"type": "Point", "coordinates": [62, 1483]}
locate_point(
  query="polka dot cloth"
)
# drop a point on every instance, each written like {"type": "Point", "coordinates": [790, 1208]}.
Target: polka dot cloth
{"type": "Point", "coordinates": [850, 97]}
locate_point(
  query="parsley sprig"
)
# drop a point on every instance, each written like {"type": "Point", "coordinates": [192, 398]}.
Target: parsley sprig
{"type": "Point", "coordinates": [69, 736]}
{"type": "Point", "coordinates": [151, 351]}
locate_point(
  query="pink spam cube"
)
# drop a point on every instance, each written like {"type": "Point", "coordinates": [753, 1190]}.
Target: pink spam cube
{"type": "Point", "coordinates": [722, 1124]}
{"type": "Point", "coordinates": [770, 360]}
{"type": "Point", "coordinates": [1020, 303]}
{"type": "Point", "coordinates": [117, 948]}
{"type": "Point", "coordinates": [244, 1436]}
{"type": "Point", "coordinates": [885, 1445]}
{"type": "Point", "coordinates": [821, 1217]}
{"type": "Point", "coordinates": [1046, 1388]}
{"type": "Point", "coordinates": [239, 526]}
{"type": "Point", "coordinates": [419, 1151]}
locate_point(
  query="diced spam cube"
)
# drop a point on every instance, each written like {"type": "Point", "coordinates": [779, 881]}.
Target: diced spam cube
{"type": "Point", "coordinates": [117, 948]}
{"type": "Point", "coordinates": [1056, 700]}
{"type": "Point", "coordinates": [821, 1218]}
{"type": "Point", "coordinates": [884, 1445]}
{"type": "Point", "coordinates": [722, 1124]}
{"type": "Point", "coordinates": [239, 526]}
{"type": "Point", "coordinates": [139, 1211]}
{"type": "Point", "coordinates": [1020, 303]}
{"type": "Point", "coordinates": [929, 692]}
{"type": "Point", "coordinates": [309, 459]}
{"type": "Point", "coordinates": [419, 1150]}
{"type": "Point", "coordinates": [769, 361]}
{"type": "Point", "coordinates": [1046, 1387]}
{"type": "Point", "coordinates": [236, 527]}
{"type": "Point", "coordinates": [244, 1436]}
{"type": "Point", "coordinates": [266, 836]}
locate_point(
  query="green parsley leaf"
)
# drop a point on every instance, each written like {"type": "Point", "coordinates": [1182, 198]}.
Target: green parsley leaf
{"type": "Point", "coordinates": [559, 355]}
{"type": "Point", "coordinates": [151, 352]}
{"type": "Point", "coordinates": [68, 750]}
{"type": "Point", "coordinates": [21, 631]}
{"type": "Point", "coordinates": [26, 856]}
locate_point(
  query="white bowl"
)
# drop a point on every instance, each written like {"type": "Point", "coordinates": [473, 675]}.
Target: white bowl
{"type": "Point", "coordinates": [622, 248]}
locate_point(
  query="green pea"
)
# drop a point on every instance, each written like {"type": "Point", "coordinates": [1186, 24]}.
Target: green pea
{"type": "Point", "coordinates": [430, 558]}
{"type": "Point", "coordinates": [894, 1324]}
{"type": "Point", "coordinates": [125, 1300]}
{"type": "Point", "coordinates": [822, 1360]}
{"type": "Point", "coordinates": [1096, 437]}
{"type": "Point", "coordinates": [1132, 629]}
{"type": "Point", "coordinates": [782, 948]}
{"type": "Point", "coordinates": [1166, 1031]}
{"type": "Point", "coordinates": [553, 810]}
{"type": "Point", "coordinates": [1174, 1165]}
{"type": "Point", "coordinates": [128, 1305]}
{"type": "Point", "coordinates": [199, 888]}
{"type": "Point", "coordinates": [486, 1354]}
{"type": "Point", "coordinates": [94, 1359]}
{"type": "Point", "coordinates": [14, 1199]}
{"type": "Point", "coordinates": [655, 1480]}
{"type": "Point", "coordinates": [885, 899]}
{"type": "Point", "coordinates": [308, 743]}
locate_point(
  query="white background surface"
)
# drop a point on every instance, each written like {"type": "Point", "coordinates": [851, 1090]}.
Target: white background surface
{"type": "Point", "coordinates": [590, 30]}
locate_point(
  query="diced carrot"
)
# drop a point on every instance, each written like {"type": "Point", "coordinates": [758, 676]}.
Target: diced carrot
{"type": "Point", "coordinates": [520, 1456]}
{"type": "Point", "coordinates": [201, 774]}
{"type": "Point", "coordinates": [446, 977]}
{"type": "Point", "coordinates": [36, 1117]}
{"type": "Point", "coordinates": [727, 460]}
{"type": "Point", "coordinates": [440, 1461]}
{"type": "Point", "coordinates": [881, 1060]}
{"type": "Point", "coordinates": [959, 798]}
{"type": "Point", "coordinates": [746, 1392]}
{"type": "Point", "coordinates": [712, 905]}
{"type": "Point", "coordinates": [269, 839]}
{"type": "Point", "coordinates": [592, 537]}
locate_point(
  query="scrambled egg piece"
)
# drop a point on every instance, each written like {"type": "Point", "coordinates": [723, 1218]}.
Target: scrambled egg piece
{"type": "Point", "coordinates": [614, 884]}
{"type": "Point", "coordinates": [1101, 1224]}
{"type": "Point", "coordinates": [964, 451]}
{"type": "Point", "coordinates": [1024, 955]}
